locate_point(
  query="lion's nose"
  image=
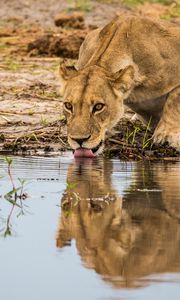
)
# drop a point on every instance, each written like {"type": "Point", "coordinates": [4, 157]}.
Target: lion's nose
{"type": "Point", "coordinates": [81, 141]}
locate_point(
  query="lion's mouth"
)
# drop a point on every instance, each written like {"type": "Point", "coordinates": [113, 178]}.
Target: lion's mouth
{"type": "Point", "coordinates": [89, 153]}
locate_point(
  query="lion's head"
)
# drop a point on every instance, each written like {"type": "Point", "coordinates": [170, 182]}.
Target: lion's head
{"type": "Point", "coordinates": [93, 104]}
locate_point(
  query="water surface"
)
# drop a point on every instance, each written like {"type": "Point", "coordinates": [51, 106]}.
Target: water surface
{"type": "Point", "coordinates": [90, 229]}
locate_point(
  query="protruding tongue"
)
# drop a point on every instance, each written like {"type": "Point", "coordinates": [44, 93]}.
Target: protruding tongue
{"type": "Point", "coordinates": [83, 152]}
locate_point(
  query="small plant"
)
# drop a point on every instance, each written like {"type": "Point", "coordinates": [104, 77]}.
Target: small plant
{"type": "Point", "coordinates": [137, 2]}
{"type": "Point", "coordinates": [31, 112]}
{"type": "Point", "coordinates": [12, 65]}
{"type": "Point", "coordinates": [70, 185]}
{"type": "Point", "coordinates": [15, 197]}
{"type": "Point", "coordinates": [146, 141]}
{"type": "Point", "coordinates": [44, 121]}
{"type": "Point", "coordinates": [2, 137]}
{"type": "Point", "coordinates": [4, 46]}
{"type": "Point", "coordinates": [71, 199]}
{"type": "Point", "coordinates": [9, 162]}
{"type": "Point", "coordinates": [31, 137]}
{"type": "Point", "coordinates": [62, 118]}
{"type": "Point", "coordinates": [81, 5]}
{"type": "Point", "coordinates": [132, 134]}
{"type": "Point", "coordinates": [173, 11]}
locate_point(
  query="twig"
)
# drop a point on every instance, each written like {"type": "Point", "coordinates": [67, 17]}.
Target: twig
{"type": "Point", "coordinates": [6, 119]}
{"type": "Point", "coordinates": [121, 143]}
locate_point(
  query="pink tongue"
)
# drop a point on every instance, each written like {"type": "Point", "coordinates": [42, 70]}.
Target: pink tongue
{"type": "Point", "coordinates": [83, 152]}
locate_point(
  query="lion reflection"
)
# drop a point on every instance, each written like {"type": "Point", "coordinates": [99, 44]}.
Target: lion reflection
{"type": "Point", "coordinates": [126, 240]}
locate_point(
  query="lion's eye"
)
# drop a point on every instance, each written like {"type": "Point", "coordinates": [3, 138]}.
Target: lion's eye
{"type": "Point", "coordinates": [98, 107]}
{"type": "Point", "coordinates": [68, 106]}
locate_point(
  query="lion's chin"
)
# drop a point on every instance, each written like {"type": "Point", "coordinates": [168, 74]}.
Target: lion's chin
{"type": "Point", "coordinates": [89, 153]}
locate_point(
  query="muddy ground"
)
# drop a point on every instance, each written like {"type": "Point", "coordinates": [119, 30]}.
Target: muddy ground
{"type": "Point", "coordinates": [34, 37]}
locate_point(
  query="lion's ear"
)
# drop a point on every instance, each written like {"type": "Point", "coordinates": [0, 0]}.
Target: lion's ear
{"type": "Point", "coordinates": [123, 79]}
{"type": "Point", "coordinates": [66, 71]}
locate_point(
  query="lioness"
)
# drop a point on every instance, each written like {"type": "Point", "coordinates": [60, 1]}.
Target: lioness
{"type": "Point", "coordinates": [135, 61]}
{"type": "Point", "coordinates": [124, 239]}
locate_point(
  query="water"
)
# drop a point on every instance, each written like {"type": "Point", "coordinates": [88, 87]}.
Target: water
{"type": "Point", "coordinates": [90, 229]}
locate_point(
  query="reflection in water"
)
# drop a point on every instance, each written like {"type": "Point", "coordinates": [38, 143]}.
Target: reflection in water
{"type": "Point", "coordinates": [122, 238]}
{"type": "Point", "coordinates": [15, 197]}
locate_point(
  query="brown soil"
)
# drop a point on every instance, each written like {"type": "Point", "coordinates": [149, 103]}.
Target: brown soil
{"type": "Point", "coordinates": [31, 116]}
{"type": "Point", "coordinates": [64, 44]}
{"type": "Point", "coordinates": [74, 20]}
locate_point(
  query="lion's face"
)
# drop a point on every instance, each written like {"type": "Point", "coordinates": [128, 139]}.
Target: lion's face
{"type": "Point", "coordinates": [92, 105]}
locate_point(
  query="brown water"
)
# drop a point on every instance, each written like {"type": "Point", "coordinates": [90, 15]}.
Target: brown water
{"type": "Point", "coordinates": [90, 229]}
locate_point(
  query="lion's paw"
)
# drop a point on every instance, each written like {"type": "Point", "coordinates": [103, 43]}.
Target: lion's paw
{"type": "Point", "coordinates": [174, 141]}
{"type": "Point", "coordinates": [161, 135]}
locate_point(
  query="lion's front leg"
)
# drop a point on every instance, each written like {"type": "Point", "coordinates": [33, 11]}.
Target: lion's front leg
{"type": "Point", "coordinates": [168, 128]}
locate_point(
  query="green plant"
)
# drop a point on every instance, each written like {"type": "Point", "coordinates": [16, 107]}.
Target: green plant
{"type": "Point", "coordinates": [62, 118]}
{"type": "Point", "coordinates": [15, 197]}
{"type": "Point", "coordinates": [31, 112]}
{"type": "Point", "coordinates": [146, 140]}
{"type": "Point", "coordinates": [44, 121]}
{"type": "Point", "coordinates": [82, 5]}
{"type": "Point", "coordinates": [31, 137]}
{"type": "Point", "coordinates": [132, 134]}
{"type": "Point", "coordinates": [4, 46]}
{"type": "Point", "coordinates": [70, 185]}
{"type": "Point", "coordinates": [12, 65]}
{"type": "Point", "coordinates": [136, 2]}
{"type": "Point", "coordinates": [173, 12]}
{"type": "Point", "coordinates": [71, 199]}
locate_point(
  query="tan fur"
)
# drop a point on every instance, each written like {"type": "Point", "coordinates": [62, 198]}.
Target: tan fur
{"type": "Point", "coordinates": [128, 239]}
{"type": "Point", "coordinates": [131, 60]}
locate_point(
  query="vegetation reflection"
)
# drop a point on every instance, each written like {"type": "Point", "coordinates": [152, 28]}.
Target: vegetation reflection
{"type": "Point", "coordinates": [15, 197]}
